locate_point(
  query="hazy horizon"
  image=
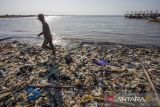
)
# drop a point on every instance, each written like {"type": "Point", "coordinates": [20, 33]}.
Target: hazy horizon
{"type": "Point", "coordinates": [75, 7]}
{"type": "Point", "coordinates": [58, 15]}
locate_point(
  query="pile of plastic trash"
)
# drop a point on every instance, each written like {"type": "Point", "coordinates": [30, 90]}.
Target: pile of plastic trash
{"type": "Point", "coordinates": [79, 77]}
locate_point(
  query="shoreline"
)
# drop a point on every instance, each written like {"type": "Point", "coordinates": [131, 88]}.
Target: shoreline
{"type": "Point", "coordinates": [102, 43]}
{"type": "Point", "coordinates": [74, 41]}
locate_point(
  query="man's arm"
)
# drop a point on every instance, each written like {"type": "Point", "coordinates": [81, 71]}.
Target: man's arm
{"type": "Point", "coordinates": [40, 34]}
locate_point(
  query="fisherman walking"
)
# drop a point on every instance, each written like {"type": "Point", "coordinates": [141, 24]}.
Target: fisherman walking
{"type": "Point", "coordinates": [47, 34]}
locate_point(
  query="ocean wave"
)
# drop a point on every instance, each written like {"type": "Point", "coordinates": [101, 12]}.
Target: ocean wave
{"type": "Point", "coordinates": [57, 40]}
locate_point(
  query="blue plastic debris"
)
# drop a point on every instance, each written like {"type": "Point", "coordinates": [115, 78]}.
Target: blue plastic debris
{"type": "Point", "coordinates": [101, 62]}
{"type": "Point", "coordinates": [106, 72]}
{"type": "Point", "coordinates": [33, 93]}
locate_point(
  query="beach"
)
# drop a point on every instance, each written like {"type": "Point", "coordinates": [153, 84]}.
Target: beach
{"type": "Point", "coordinates": [79, 53]}
{"type": "Point", "coordinates": [79, 76]}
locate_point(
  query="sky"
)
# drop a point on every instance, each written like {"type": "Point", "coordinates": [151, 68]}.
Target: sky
{"type": "Point", "coordinates": [76, 7]}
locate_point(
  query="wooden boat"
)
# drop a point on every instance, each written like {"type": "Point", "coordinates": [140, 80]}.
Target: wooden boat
{"type": "Point", "coordinates": [152, 19]}
{"type": "Point", "coordinates": [158, 19]}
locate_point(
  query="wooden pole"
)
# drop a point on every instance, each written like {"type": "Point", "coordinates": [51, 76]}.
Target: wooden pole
{"type": "Point", "coordinates": [151, 84]}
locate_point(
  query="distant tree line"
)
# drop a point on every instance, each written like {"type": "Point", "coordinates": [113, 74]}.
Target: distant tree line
{"type": "Point", "coordinates": [13, 16]}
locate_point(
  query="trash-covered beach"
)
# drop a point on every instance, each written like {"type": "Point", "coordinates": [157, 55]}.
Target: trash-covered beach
{"type": "Point", "coordinates": [81, 76]}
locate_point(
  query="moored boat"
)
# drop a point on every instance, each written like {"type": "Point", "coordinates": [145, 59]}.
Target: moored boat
{"type": "Point", "coordinates": [158, 19]}
{"type": "Point", "coordinates": [152, 19]}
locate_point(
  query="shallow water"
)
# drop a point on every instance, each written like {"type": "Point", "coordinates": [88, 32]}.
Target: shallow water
{"type": "Point", "coordinates": [115, 29]}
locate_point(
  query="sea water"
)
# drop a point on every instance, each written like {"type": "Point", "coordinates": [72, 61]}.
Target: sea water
{"type": "Point", "coordinates": [114, 29]}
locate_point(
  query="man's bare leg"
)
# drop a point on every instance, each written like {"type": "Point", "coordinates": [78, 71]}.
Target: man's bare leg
{"type": "Point", "coordinates": [52, 48]}
{"type": "Point", "coordinates": [44, 45]}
